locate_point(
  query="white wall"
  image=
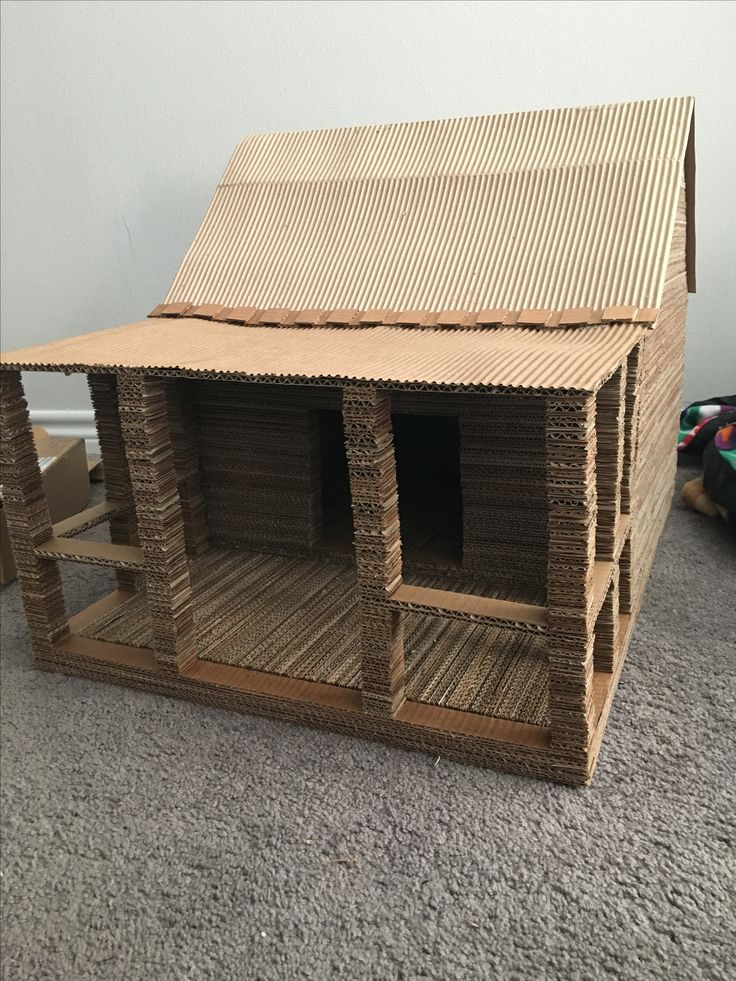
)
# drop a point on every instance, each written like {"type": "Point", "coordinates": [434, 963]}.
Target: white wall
{"type": "Point", "coordinates": [119, 117]}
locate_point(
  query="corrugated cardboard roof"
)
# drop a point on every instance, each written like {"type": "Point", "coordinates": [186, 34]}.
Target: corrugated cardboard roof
{"type": "Point", "coordinates": [554, 209]}
{"type": "Point", "coordinates": [574, 359]}
{"type": "Point", "coordinates": [537, 212]}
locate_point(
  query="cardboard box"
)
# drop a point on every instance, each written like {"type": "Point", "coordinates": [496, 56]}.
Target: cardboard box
{"type": "Point", "coordinates": [63, 463]}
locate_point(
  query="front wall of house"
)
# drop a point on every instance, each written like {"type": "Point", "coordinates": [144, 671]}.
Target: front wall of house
{"type": "Point", "coordinates": [259, 457]}
{"type": "Point", "coordinates": [259, 451]}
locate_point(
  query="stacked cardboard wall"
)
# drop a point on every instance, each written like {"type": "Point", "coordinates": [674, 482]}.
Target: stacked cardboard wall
{"type": "Point", "coordinates": [260, 464]}
{"type": "Point", "coordinates": [261, 455]}
{"type": "Point", "coordinates": [660, 366]}
{"type": "Point", "coordinates": [187, 464]}
{"type": "Point", "coordinates": [504, 481]}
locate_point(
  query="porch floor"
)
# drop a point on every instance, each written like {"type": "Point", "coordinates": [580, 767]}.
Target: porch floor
{"type": "Point", "coordinates": [299, 617]}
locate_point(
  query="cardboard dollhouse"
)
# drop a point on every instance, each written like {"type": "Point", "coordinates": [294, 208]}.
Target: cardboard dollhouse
{"type": "Point", "coordinates": [393, 455]}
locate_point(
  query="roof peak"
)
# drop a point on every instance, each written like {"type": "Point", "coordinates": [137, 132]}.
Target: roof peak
{"type": "Point", "coordinates": [439, 120]}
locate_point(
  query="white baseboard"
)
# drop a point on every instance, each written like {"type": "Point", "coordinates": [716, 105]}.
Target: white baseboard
{"type": "Point", "coordinates": [69, 422]}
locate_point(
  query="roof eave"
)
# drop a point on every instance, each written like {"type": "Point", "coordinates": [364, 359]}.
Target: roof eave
{"type": "Point", "coordinates": [690, 205]}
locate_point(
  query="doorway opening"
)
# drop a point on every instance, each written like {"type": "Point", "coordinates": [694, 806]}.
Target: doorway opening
{"type": "Point", "coordinates": [428, 475]}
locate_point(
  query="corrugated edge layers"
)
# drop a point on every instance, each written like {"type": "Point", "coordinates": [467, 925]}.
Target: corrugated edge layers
{"type": "Point", "coordinates": [457, 319]}
{"type": "Point", "coordinates": [513, 359]}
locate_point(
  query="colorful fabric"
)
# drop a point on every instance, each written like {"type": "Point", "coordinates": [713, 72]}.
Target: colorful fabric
{"type": "Point", "coordinates": [701, 420]}
{"type": "Point", "coordinates": [725, 440]}
{"type": "Point", "coordinates": [708, 430]}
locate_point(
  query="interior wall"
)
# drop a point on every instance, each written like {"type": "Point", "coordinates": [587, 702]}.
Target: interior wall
{"type": "Point", "coordinates": [118, 119]}
{"type": "Point", "coordinates": [259, 462]}
{"type": "Point", "coordinates": [502, 462]}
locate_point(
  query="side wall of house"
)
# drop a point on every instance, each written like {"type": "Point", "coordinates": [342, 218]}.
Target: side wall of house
{"type": "Point", "coordinates": [661, 366]}
{"type": "Point", "coordinates": [503, 475]}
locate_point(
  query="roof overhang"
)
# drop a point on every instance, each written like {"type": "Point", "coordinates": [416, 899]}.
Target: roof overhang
{"type": "Point", "coordinates": [690, 205]}
{"type": "Point", "coordinates": [567, 360]}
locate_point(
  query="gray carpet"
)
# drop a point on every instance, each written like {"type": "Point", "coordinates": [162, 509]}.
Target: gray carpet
{"type": "Point", "coordinates": [145, 838]}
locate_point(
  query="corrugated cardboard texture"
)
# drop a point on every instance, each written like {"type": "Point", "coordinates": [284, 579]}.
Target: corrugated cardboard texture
{"type": "Point", "coordinates": [541, 319]}
{"type": "Point", "coordinates": [578, 359]}
{"type": "Point", "coordinates": [553, 209]}
{"type": "Point", "coordinates": [449, 663]}
{"type": "Point", "coordinates": [495, 635]}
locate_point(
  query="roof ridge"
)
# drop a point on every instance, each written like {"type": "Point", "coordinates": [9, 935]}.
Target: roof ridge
{"type": "Point", "coordinates": [583, 107]}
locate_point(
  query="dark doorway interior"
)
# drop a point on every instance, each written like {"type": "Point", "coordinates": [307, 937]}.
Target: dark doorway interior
{"type": "Point", "coordinates": [428, 474]}
{"type": "Point", "coordinates": [430, 497]}
{"type": "Point", "coordinates": [337, 516]}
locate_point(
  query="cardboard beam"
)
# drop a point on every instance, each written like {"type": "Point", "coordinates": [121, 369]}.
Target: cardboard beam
{"type": "Point", "coordinates": [128, 557]}
{"type": "Point", "coordinates": [118, 491]}
{"type": "Point", "coordinates": [375, 503]}
{"type": "Point", "coordinates": [571, 497]}
{"type": "Point", "coordinates": [186, 461]}
{"type": "Point", "coordinates": [466, 606]}
{"type": "Point", "coordinates": [29, 522]}
{"type": "Point", "coordinates": [144, 423]}
{"type": "Point", "coordinates": [98, 514]}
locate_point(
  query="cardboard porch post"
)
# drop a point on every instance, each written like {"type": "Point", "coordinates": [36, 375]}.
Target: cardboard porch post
{"type": "Point", "coordinates": [104, 393]}
{"type": "Point", "coordinates": [375, 501]}
{"type": "Point", "coordinates": [145, 428]}
{"type": "Point", "coordinates": [571, 495]}
{"type": "Point", "coordinates": [609, 424]}
{"type": "Point", "coordinates": [625, 597]}
{"type": "Point", "coordinates": [631, 406]}
{"type": "Point", "coordinates": [29, 522]}
{"type": "Point", "coordinates": [606, 644]}
{"type": "Point", "coordinates": [186, 461]}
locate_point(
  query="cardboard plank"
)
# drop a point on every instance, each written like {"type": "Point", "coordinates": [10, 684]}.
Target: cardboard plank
{"type": "Point", "coordinates": [89, 518]}
{"type": "Point", "coordinates": [278, 686]}
{"type": "Point", "coordinates": [139, 658]}
{"type": "Point", "coordinates": [440, 602]}
{"type": "Point", "coordinates": [467, 723]}
{"type": "Point", "coordinates": [94, 553]}
{"type": "Point", "coordinates": [96, 610]}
